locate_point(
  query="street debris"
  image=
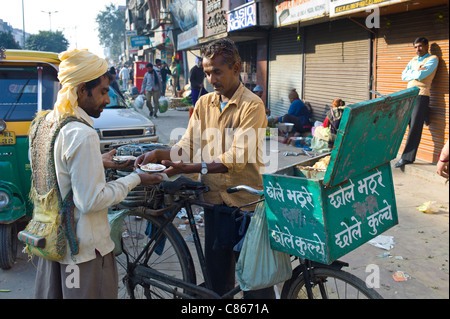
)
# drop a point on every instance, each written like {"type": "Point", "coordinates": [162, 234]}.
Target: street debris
{"type": "Point", "coordinates": [429, 207]}
{"type": "Point", "coordinates": [198, 213]}
{"type": "Point", "coordinates": [291, 154]}
{"type": "Point", "coordinates": [400, 276]}
{"type": "Point", "coordinates": [390, 256]}
{"type": "Point", "coordinates": [382, 241]}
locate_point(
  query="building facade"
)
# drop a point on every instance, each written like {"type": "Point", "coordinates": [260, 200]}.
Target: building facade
{"type": "Point", "coordinates": [325, 49]}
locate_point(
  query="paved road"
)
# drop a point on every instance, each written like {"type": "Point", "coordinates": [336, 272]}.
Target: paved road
{"type": "Point", "coordinates": [421, 248]}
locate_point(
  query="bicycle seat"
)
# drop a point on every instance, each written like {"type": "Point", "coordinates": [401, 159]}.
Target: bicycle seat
{"type": "Point", "coordinates": [182, 184]}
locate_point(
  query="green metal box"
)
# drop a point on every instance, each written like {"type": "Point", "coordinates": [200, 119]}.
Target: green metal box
{"type": "Point", "coordinates": [324, 218]}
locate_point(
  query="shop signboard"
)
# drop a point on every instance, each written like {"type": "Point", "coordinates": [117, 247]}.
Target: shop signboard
{"type": "Point", "coordinates": [139, 41]}
{"type": "Point", "coordinates": [342, 7]}
{"type": "Point", "coordinates": [242, 17]}
{"type": "Point", "coordinates": [128, 35]}
{"type": "Point", "coordinates": [185, 13]}
{"type": "Point", "coordinates": [215, 17]}
{"type": "Point", "coordinates": [292, 11]}
{"type": "Point", "coordinates": [187, 39]}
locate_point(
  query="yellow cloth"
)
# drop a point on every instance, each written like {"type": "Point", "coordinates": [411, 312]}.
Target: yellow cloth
{"type": "Point", "coordinates": [77, 66]}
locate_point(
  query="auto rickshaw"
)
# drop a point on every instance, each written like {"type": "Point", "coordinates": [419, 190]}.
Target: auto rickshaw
{"type": "Point", "coordinates": [28, 85]}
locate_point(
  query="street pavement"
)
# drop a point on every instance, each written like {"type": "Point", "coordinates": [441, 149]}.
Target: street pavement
{"type": "Point", "coordinates": [421, 241]}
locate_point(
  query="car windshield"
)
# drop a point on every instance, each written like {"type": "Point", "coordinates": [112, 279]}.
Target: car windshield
{"type": "Point", "coordinates": [19, 91]}
{"type": "Point", "coordinates": [117, 102]}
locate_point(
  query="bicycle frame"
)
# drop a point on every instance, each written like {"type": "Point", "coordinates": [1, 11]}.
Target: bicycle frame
{"type": "Point", "coordinates": [157, 278]}
{"type": "Point", "coordinates": [144, 272]}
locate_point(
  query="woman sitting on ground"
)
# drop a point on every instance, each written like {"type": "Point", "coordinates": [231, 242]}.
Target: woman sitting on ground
{"type": "Point", "coordinates": [298, 114]}
{"type": "Point", "coordinates": [333, 119]}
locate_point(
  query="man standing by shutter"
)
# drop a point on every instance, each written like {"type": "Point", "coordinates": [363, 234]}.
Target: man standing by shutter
{"type": "Point", "coordinates": [419, 73]}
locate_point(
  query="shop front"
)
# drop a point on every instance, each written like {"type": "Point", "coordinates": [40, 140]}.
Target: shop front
{"type": "Point", "coordinates": [248, 23]}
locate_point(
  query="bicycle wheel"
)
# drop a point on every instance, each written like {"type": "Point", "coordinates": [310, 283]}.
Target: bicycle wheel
{"type": "Point", "coordinates": [328, 283]}
{"type": "Point", "coordinates": [171, 257]}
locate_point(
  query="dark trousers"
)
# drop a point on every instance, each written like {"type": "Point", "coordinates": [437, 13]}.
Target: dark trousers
{"type": "Point", "coordinates": [221, 262]}
{"type": "Point", "coordinates": [298, 126]}
{"type": "Point", "coordinates": [418, 117]}
{"type": "Point", "coordinates": [195, 95]}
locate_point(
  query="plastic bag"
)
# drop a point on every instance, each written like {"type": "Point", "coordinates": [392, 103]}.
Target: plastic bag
{"type": "Point", "coordinates": [258, 265]}
{"type": "Point", "coordinates": [430, 207]}
{"type": "Point", "coordinates": [139, 102]}
{"type": "Point", "coordinates": [115, 219]}
{"type": "Point", "coordinates": [163, 104]}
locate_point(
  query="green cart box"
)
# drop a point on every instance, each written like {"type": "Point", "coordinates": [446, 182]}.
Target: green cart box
{"type": "Point", "coordinates": [325, 217]}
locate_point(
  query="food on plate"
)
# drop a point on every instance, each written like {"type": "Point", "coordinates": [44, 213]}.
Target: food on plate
{"type": "Point", "coordinates": [152, 168]}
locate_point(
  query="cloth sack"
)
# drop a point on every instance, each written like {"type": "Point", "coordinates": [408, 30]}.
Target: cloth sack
{"type": "Point", "coordinates": [53, 225]}
{"type": "Point", "coordinates": [258, 265]}
{"type": "Point", "coordinates": [320, 140]}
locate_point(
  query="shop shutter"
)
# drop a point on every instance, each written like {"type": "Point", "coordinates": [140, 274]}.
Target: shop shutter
{"type": "Point", "coordinates": [395, 50]}
{"type": "Point", "coordinates": [285, 69]}
{"type": "Point", "coordinates": [337, 64]}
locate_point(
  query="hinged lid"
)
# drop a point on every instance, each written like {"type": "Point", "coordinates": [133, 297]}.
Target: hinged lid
{"type": "Point", "coordinates": [369, 135]}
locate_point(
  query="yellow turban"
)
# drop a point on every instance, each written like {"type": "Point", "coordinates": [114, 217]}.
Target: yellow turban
{"type": "Point", "coordinates": [77, 66]}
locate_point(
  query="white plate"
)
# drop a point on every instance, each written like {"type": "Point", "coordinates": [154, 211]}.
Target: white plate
{"type": "Point", "coordinates": [152, 168]}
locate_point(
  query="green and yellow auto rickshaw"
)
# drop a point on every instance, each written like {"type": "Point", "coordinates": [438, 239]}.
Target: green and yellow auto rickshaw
{"type": "Point", "coordinates": [28, 85]}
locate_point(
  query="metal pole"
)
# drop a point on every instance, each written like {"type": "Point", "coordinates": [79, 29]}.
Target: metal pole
{"type": "Point", "coordinates": [49, 17]}
{"type": "Point", "coordinates": [23, 26]}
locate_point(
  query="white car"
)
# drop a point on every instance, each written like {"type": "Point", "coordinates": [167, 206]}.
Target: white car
{"type": "Point", "coordinates": [119, 124]}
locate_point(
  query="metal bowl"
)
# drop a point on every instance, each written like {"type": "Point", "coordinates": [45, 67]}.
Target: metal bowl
{"type": "Point", "coordinates": [285, 127]}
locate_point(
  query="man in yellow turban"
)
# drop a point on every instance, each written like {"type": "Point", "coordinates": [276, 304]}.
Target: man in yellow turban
{"type": "Point", "coordinates": [69, 180]}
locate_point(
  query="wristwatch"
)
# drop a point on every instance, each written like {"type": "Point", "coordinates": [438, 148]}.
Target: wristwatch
{"type": "Point", "coordinates": [204, 170]}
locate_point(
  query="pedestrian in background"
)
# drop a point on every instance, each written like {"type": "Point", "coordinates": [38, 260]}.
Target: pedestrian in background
{"type": "Point", "coordinates": [175, 74]}
{"type": "Point", "coordinates": [151, 88]}
{"type": "Point", "coordinates": [196, 78]}
{"type": "Point", "coordinates": [113, 83]}
{"type": "Point", "coordinates": [165, 71]}
{"type": "Point", "coordinates": [124, 75]}
{"type": "Point", "coordinates": [419, 72]}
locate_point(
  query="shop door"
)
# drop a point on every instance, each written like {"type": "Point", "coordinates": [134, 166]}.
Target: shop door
{"type": "Point", "coordinates": [337, 65]}
{"type": "Point", "coordinates": [285, 68]}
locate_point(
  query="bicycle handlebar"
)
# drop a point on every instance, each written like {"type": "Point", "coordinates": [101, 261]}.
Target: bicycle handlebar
{"type": "Point", "coordinates": [246, 188]}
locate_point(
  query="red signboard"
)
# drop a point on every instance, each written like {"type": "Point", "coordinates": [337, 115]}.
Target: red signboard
{"type": "Point", "coordinates": [139, 72]}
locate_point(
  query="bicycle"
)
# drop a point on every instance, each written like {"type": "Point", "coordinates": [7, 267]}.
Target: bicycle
{"type": "Point", "coordinates": [157, 263]}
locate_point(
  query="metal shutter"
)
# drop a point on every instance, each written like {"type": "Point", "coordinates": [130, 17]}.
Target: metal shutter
{"type": "Point", "coordinates": [337, 65]}
{"type": "Point", "coordinates": [395, 50]}
{"type": "Point", "coordinates": [285, 69]}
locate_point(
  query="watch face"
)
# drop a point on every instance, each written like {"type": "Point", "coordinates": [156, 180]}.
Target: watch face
{"type": "Point", "coordinates": [204, 169]}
